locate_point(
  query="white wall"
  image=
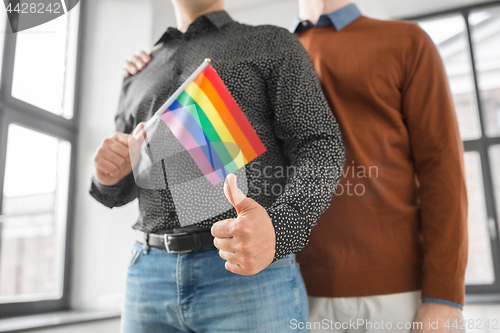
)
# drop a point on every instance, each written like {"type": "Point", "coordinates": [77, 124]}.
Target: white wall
{"type": "Point", "coordinates": [114, 29]}
{"type": "Point", "coordinates": [163, 17]}
{"type": "Point", "coordinates": [276, 12]}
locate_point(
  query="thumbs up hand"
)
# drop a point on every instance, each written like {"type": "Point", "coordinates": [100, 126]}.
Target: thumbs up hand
{"type": "Point", "coordinates": [248, 242]}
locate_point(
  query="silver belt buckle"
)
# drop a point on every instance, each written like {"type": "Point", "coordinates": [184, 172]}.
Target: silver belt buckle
{"type": "Point", "coordinates": [166, 241]}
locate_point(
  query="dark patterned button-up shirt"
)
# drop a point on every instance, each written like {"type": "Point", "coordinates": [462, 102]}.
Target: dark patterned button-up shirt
{"type": "Point", "coordinates": [271, 77]}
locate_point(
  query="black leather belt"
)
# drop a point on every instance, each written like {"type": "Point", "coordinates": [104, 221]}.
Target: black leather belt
{"type": "Point", "coordinates": [180, 240]}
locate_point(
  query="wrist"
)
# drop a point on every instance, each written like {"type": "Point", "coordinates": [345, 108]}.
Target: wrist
{"type": "Point", "coordinates": [442, 302]}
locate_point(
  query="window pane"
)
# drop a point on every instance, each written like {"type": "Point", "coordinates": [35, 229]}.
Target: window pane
{"type": "Point", "coordinates": [34, 216]}
{"type": "Point", "coordinates": [495, 169]}
{"type": "Point", "coordinates": [45, 62]}
{"type": "Point", "coordinates": [485, 34]}
{"type": "Point", "coordinates": [480, 264]}
{"type": "Point", "coordinates": [450, 36]}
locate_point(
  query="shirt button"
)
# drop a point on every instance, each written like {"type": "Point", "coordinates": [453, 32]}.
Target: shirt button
{"type": "Point", "coordinates": [304, 24]}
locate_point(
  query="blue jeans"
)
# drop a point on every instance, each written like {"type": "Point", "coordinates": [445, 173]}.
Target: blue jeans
{"type": "Point", "coordinates": [193, 292]}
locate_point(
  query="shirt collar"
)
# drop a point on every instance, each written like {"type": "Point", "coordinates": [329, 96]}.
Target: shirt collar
{"type": "Point", "coordinates": [202, 24]}
{"type": "Point", "coordinates": [339, 19]}
{"type": "Point", "coordinates": [218, 19]}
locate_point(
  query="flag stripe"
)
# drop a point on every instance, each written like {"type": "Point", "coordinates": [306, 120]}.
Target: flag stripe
{"type": "Point", "coordinates": [241, 140]}
{"type": "Point", "coordinates": [208, 109]}
{"type": "Point", "coordinates": [212, 155]}
{"type": "Point", "coordinates": [187, 140]}
{"type": "Point", "coordinates": [210, 125]}
{"type": "Point", "coordinates": [191, 125]}
{"type": "Point", "coordinates": [235, 110]}
{"type": "Point", "coordinates": [226, 158]}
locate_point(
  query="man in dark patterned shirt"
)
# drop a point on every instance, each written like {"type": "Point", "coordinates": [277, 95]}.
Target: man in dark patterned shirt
{"type": "Point", "coordinates": [272, 79]}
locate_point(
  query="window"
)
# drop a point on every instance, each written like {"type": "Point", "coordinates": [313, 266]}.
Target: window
{"type": "Point", "coordinates": [468, 41]}
{"type": "Point", "coordinates": [35, 200]}
{"type": "Point", "coordinates": [44, 67]}
{"type": "Point", "coordinates": [38, 123]}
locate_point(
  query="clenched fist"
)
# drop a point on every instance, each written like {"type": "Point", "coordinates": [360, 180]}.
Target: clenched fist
{"type": "Point", "coordinates": [248, 242]}
{"type": "Point", "coordinates": [112, 161]}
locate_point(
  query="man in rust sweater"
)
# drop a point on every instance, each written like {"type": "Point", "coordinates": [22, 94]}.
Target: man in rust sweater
{"type": "Point", "coordinates": [397, 225]}
{"type": "Point", "coordinates": [392, 247]}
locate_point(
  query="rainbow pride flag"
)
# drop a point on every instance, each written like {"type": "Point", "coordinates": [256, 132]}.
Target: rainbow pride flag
{"type": "Point", "coordinates": [207, 121]}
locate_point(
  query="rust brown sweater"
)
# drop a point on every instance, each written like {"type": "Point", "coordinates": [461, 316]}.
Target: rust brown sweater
{"type": "Point", "coordinates": [398, 221]}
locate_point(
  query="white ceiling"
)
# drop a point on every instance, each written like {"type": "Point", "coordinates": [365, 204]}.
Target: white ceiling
{"type": "Point", "coordinates": [373, 8]}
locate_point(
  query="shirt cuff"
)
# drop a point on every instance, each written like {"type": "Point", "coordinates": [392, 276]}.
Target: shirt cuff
{"type": "Point", "coordinates": [115, 195]}
{"type": "Point", "coordinates": [113, 190]}
{"type": "Point", "coordinates": [287, 237]}
{"type": "Point", "coordinates": [442, 301]}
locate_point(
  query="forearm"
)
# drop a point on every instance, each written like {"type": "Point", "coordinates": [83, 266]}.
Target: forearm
{"type": "Point", "coordinates": [443, 199]}
{"type": "Point", "coordinates": [437, 152]}
{"type": "Point", "coordinates": [308, 192]}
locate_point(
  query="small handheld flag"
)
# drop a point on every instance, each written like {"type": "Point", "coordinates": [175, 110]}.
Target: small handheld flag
{"type": "Point", "coordinates": [207, 121]}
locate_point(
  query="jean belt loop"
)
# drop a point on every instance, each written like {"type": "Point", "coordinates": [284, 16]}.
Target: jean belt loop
{"type": "Point", "coordinates": [145, 244]}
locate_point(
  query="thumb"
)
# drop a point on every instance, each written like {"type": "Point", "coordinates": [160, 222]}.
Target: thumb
{"type": "Point", "coordinates": [135, 141]}
{"type": "Point", "coordinates": [140, 132]}
{"type": "Point", "coordinates": [233, 193]}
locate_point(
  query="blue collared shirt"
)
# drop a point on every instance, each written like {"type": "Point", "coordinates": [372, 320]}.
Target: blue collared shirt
{"type": "Point", "coordinates": [339, 19]}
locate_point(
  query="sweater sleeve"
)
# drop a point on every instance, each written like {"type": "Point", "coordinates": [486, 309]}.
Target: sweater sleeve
{"type": "Point", "coordinates": [438, 154]}
{"type": "Point", "coordinates": [311, 141]}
